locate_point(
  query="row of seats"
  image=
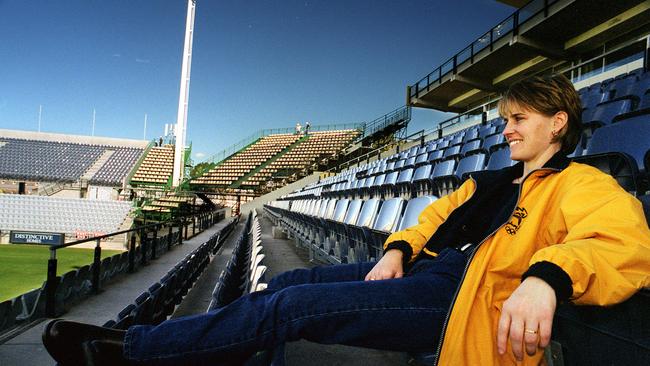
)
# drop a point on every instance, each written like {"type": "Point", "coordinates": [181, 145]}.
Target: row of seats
{"type": "Point", "coordinates": [161, 298]}
{"type": "Point", "coordinates": [37, 160]}
{"type": "Point", "coordinates": [343, 230]}
{"type": "Point", "coordinates": [244, 271]}
{"type": "Point", "coordinates": [247, 160]}
{"type": "Point", "coordinates": [157, 166]}
{"type": "Point", "coordinates": [66, 215]}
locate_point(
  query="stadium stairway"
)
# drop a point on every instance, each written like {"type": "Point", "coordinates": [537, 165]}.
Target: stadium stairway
{"type": "Point", "coordinates": [27, 348]}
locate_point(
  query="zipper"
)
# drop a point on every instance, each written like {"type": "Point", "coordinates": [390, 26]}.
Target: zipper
{"type": "Point", "coordinates": [436, 355]}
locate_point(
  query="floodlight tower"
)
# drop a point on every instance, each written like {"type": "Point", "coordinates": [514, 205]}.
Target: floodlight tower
{"type": "Point", "coordinates": [183, 99]}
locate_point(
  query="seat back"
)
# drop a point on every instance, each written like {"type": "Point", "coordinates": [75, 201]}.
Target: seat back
{"type": "Point", "coordinates": [413, 209]}
{"type": "Point", "coordinates": [353, 211]}
{"type": "Point", "coordinates": [389, 214]}
{"type": "Point", "coordinates": [368, 213]}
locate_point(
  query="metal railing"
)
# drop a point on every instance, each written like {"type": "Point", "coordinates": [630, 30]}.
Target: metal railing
{"type": "Point", "coordinates": [400, 114]}
{"type": "Point", "coordinates": [509, 25]}
{"type": "Point", "coordinates": [148, 248]}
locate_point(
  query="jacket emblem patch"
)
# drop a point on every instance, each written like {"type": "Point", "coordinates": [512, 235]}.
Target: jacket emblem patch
{"type": "Point", "coordinates": [514, 224]}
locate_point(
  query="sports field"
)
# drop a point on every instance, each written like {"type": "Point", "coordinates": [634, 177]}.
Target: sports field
{"type": "Point", "coordinates": [24, 267]}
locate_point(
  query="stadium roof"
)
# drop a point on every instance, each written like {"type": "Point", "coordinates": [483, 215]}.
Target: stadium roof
{"type": "Point", "coordinates": [539, 35]}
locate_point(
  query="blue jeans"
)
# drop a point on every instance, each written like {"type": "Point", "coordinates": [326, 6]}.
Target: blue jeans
{"type": "Point", "coordinates": [329, 305]}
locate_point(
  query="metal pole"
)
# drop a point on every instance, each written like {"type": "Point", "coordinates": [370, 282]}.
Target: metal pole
{"type": "Point", "coordinates": [97, 263]}
{"type": "Point", "coordinates": [51, 285]}
{"type": "Point", "coordinates": [154, 243]}
{"type": "Point", "coordinates": [183, 99]}
{"type": "Point", "coordinates": [132, 253]}
{"type": "Point", "coordinates": [169, 238]}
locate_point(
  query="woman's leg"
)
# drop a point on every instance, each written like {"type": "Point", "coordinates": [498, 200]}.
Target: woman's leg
{"type": "Point", "coordinates": [403, 314]}
{"type": "Point", "coordinates": [321, 274]}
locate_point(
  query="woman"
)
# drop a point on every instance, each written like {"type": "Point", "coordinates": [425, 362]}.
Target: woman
{"type": "Point", "coordinates": [479, 276]}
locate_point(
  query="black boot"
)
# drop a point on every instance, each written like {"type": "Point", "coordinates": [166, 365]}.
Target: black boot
{"type": "Point", "coordinates": [67, 341]}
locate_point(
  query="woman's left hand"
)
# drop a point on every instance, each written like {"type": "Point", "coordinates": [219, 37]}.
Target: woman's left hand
{"type": "Point", "coordinates": [527, 318]}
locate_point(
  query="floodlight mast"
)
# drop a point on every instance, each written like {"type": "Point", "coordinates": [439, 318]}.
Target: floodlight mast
{"type": "Point", "coordinates": [183, 99]}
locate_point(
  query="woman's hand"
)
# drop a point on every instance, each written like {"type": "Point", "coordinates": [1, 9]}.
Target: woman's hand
{"type": "Point", "coordinates": [527, 318]}
{"type": "Point", "coordinates": [389, 266]}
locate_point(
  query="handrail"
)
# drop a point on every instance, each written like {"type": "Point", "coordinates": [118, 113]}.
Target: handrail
{"type": "Point", "coordinates": [508, 25]}
{"type": "Point", "coordinates": [392, 117]}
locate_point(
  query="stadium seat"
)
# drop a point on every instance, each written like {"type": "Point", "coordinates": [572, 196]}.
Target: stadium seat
{"type": "Point", "coordinates": [413, 209]}
{"type": "Point", "coordinates": [403, 184]}
{"type": "Point", "coordinates": [422, 183]}
{"type": "Point", "coordinates": [443, 177]}
{"type": "Point", "coordinates": [619, 149]}
{"type": "Point", "coordinates": [500, 159]}
{"type": "Point", "coordinates": [469, 164]}
{"type": "Point", "coordinates": [471, 147]}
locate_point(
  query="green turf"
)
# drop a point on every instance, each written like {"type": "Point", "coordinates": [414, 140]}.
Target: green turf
{"type": "Point", "coordinates": [24, 267]}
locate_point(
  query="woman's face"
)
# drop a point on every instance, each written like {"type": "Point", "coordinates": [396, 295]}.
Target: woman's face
{"type": "Point", "coordinates": [529, 135]}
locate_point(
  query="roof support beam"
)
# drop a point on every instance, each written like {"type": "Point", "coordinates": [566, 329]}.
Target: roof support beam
{"type": "Point", "coordinates": [543, 49]}
{"type": "Point", "coordinates": [602, 27]}
{"type": "Point", "coordinates": [476, 83]}
{"type": "Point", "coordinates": [518, 70]}
{"type": "Point", "coordinates": [461, 98]}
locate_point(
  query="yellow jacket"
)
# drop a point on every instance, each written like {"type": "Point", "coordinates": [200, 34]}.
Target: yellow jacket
{"type": "Point", "coordinates": [577, 218]}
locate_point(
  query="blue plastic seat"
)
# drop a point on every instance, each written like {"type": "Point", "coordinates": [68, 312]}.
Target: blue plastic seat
{"type": "Point", "coordinates": [421, 160]}
{"type": "Point", "coordinates": [403, 184]}
{"type": "Point", "coordinates": [605, 113]}
{"type": "Point", "coordinates": [443, 177]}
{"type": "Point", "coordinates": [492, 141]}
{"type": "Point", "coordinates": [452, 152]}
{"type": "Point", "coordinates": [422, 183]}
{"type": "Point", "coordinates": [500, 159]}
{"type": "Point", "coordinates": [471, 147]}
{"type": "Point", "coordinates": [435, 156]}
{"type": "Point", "coordinates": [470, 164]}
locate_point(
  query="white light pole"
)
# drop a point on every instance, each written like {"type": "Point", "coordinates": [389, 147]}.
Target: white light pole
{"type": "Point", "coordinates": [144, 134]}
{"type": "Point", "coordinates": [40, 112]}
{"type": "Point", "coordinates": [93, 132]}
{"type": "Point", "coordinates": [181, 118]}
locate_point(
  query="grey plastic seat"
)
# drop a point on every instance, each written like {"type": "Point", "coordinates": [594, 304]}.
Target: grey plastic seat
{"type": "Point", "coordinates": [413, 209]}
{"type": "Point", "coordinates": [389, 214]}
{"type": "Point", "coordinates": [340, 210]}
{"type": "Point", "coordinates": [352, 214]}
{"type": "Point", "coordinates": [368, 213]}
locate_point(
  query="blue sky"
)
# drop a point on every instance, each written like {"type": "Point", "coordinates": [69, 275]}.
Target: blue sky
{"type": "Point", "coordinates": [256, 64]}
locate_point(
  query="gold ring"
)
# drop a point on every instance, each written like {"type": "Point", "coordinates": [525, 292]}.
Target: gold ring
{"type": "Point", "coordinates": [530, 331]}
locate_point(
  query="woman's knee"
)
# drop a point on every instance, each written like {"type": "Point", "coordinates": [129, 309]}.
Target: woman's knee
{"type": "Point", "coordinates": [289, 278]}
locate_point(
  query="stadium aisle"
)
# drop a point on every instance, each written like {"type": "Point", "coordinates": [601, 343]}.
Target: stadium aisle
{"type": "Point", "coordinates": [283, 255]}
{"type": "Point", "coordinates": [27, 348]}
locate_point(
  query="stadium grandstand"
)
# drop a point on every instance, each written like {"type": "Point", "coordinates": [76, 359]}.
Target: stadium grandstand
{"type": "Point", "coordinates": [285, 199]}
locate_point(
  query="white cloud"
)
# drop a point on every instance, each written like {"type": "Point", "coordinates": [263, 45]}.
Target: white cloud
{"type": "Point", "coordinates": [142, 61]}
{"type": "Point", "coordinates": [199, 155]}
{"type": "Point", "coordinates": [117, 55]}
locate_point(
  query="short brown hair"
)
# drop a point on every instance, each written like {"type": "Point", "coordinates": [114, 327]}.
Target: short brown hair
{"type": "Point", "coordinates": [548, 95]}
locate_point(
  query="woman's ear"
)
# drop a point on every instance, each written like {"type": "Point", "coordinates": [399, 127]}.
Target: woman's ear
{"type": "Point", "coordinates": [560, 119]}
